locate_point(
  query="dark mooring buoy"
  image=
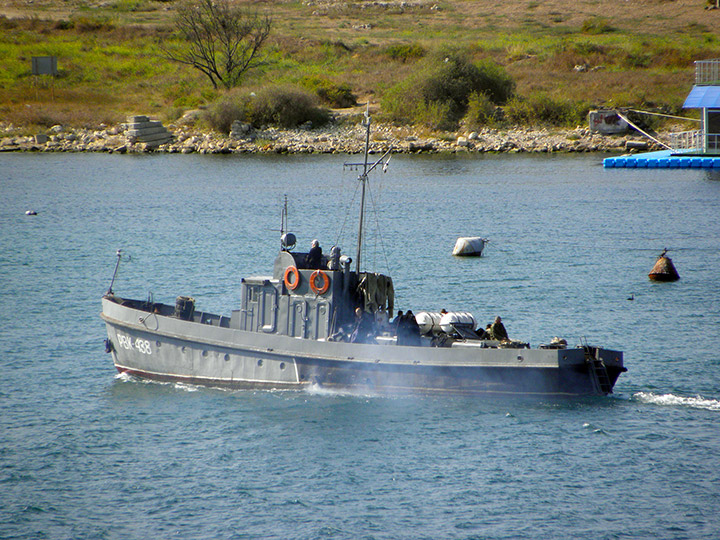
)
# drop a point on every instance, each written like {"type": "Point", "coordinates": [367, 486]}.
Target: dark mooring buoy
{"type": "Point", "coordinates": [664, 269]}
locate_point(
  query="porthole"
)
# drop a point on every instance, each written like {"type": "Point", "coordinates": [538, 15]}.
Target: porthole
{"type": "Point", "coordinates": [157, 344]}
{"type": "Point", "coordinates": [282, 365]}
{"type": "Point", "coordinates": [260, 363]}
{"type": "Point", "coordinates": [182, 349]}
{"type": "Point", "coordinates": [204, 353]}
{"type": "Point", "coordinates": [227, 357]}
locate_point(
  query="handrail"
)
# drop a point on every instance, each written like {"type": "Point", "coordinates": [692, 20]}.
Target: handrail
{"type": "Point", "coordinates": [707, 72]}
{"type": "Point", "coordinates": [695, 140]}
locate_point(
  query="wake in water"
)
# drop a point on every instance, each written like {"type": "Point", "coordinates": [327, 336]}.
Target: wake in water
{"type": "Point", "coordinates": [126, 377]}
{"type": "Point", "coordinates": [318, 390]}
{"type": "Point", "coordinates": [697, 402]}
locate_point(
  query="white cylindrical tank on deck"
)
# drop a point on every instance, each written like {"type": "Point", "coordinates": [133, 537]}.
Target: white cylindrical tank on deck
{"type": "Point", "coordinates": [428, 322]}
{"type": "Point", "coordinates": [456, 318]}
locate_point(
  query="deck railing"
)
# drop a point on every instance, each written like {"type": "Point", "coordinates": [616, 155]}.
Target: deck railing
{"type": "Point", "coordinates": [695, 141]}
{"type": "Point", "coordinates": [686, 140]}
{"type": "Point", "coordinates": [707, 72]}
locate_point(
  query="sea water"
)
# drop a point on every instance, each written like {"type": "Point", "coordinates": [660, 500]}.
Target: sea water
{"type": "Point", "coordinates": [86, 453]}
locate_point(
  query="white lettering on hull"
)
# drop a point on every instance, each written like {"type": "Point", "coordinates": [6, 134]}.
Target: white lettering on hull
{"type": "Point", "coordinates": [140, 345]}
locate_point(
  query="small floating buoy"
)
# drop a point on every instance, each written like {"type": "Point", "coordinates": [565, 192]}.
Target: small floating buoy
{"type": "Point", "coordinates": [31, 213]}
{"type": "Point", "coordinates": [664, 269]}
{"type": "Point", "coordinates": [470, 246]}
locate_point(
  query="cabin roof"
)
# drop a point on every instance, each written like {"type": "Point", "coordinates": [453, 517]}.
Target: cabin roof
{"type": "Point", "coordinates": [703, 97]}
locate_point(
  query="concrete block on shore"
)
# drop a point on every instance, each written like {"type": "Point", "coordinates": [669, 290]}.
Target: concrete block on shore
{"type": "Point", "coordinates": [140, 129]}
{"type": "Point", "coordinates": [607, 122]}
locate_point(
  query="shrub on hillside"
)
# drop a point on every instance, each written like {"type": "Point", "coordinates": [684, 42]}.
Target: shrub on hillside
{"type": "Point", "coordinates": [86, 24]}
{"type": "Point", "coordinates": [596, 26]}
{"type": "Point", "coordinates": [448, 81]}
{"type": "Point", "coordinates": [221, 114]}
{"type": "Point", "coordinates": [286, 107]}
{"type": "Point", "coordinates": [542, 109]}
{"type": "Point", "coordinates": [338, 96]}
{"type": "Point", "coordinates": [480, 111]}
{"type": "Point", "coordinates": [436, 116]}
{"type": "Point", "coordinates": [405, 52]}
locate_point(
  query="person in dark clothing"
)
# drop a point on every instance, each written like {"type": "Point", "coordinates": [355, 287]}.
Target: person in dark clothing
{"type": "Point", "coordinates": [483, 333]}
{"type": "Point", "coordinates": [413, 330]}
{"type": "Point", "coordinates": [314, 257]}
{"type": "Point", "coordinates": [498, 330]}
{"type": "Point", "coordinates": [363, 332]}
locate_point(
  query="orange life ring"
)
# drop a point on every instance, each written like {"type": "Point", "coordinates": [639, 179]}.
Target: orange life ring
{"type": "Point", "coordinates": [325, 282]}
{"type": "Point", "coordinates": [292, 285]}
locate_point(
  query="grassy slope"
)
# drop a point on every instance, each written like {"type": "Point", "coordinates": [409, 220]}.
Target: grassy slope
{"type": "Point", "coordinates": [110, 65]}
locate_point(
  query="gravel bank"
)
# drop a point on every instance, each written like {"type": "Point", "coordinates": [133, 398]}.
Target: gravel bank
{"type": "Point", "coordinates": [333, 139]}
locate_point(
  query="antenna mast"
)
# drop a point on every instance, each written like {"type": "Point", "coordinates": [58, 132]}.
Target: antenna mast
{"type": "Point", "coordinates": [117, 265]}
{"type": "Point", "coordinates": [363, 178]}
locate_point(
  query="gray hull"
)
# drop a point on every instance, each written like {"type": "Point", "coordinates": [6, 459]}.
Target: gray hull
{"type": "Point", "coordinates": [206, 351]}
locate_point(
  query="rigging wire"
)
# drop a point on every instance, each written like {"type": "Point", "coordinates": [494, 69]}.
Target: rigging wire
{"type": "Point", "coordinates": [643, 132]}
{"type": "Point", "coordinates": [379, 235]}
{"type": "Point", "coordinates": [347, 215]}
{"type": "Point", "coordinates": [664, 115]}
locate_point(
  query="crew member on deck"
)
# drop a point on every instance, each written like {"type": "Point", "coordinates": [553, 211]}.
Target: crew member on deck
{"type": "Point", "coordinates": [363, 332]}
{"type": "Point", "coordinates": [497, 329]}
{"type": "Point", "coordinates": [334, 260]}
{"type": "Point", "coordinates": [314, 257]}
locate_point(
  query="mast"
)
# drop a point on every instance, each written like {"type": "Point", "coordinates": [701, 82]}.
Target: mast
{"type": "Point", "coordinates": [117, 265]}
{"type": "Point", "coordinates": [363, 179]}
{"type": "Point", "coordinates": [366, 170]}
{"type": "Point", "coordinates": [283, 222]}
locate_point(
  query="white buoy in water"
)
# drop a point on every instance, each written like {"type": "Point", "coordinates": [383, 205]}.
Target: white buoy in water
{"type": "Point", "coordinates": [31, 213]}
{"type": "Point", "coordinates": [470, 246]}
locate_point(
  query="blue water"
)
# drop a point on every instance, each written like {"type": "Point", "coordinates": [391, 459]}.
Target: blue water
{"type": "Point", "coordinates": [85, 453]}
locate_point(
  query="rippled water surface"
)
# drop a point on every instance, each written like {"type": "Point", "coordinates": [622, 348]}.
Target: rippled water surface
{"type": "Point", "coordinates": [85, 453]}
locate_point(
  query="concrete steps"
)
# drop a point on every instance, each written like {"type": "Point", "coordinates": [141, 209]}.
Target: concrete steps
{"type": "Point", "coordinates": [140, 129]}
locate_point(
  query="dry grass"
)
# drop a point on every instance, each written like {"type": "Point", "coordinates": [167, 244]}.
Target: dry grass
{"type": "Point", "coordinates": [639, 52]}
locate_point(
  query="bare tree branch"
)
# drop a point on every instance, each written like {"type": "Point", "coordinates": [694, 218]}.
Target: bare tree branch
{"type": "Point", "coordinates": [221, 40]}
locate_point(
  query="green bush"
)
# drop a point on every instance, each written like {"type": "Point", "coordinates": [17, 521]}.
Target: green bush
{"type": "Point", "coordinates": [338, 96]}
{"type": "Point", "coordinates": [405, 52]}
{"type": "Point", "coordinates": [544, 109]}
{"type": "Point", "coordinates": [85, 24]}
{"type": "Point", "coordinates": [221, 114]}
{"type": "Point", "coordinates": [480, 111]}
{"type": "Point", "coordinates": [446, 84]}
{"type": "Point", "coordinates": [435, 115]}
{"type": "Point", "coordinates": [287, 107]}
{"type": "Point", "coordinates": [596, 26]}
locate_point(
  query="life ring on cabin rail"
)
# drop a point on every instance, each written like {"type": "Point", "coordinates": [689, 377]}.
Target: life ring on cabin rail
{"type": "Point", "coordinates": [291, 284]}
{"type": "Point", "coordinates": [325, 282]}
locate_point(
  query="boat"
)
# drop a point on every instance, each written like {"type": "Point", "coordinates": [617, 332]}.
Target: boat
{"type": "Point", "coordinates": [319, 323]}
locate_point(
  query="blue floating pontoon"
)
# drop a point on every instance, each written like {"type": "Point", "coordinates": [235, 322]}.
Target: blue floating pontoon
{"type": "Point", "coordinates": [699, 149]}
{"type": "Point", "coordinates": [663, 159]}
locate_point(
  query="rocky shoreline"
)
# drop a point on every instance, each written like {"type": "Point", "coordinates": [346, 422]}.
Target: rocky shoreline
{"type": "Point", "coordinates": [337, 138]}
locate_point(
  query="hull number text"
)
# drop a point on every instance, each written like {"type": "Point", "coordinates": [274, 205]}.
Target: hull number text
{"type": "Point", "coordinates": [140, 345]}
